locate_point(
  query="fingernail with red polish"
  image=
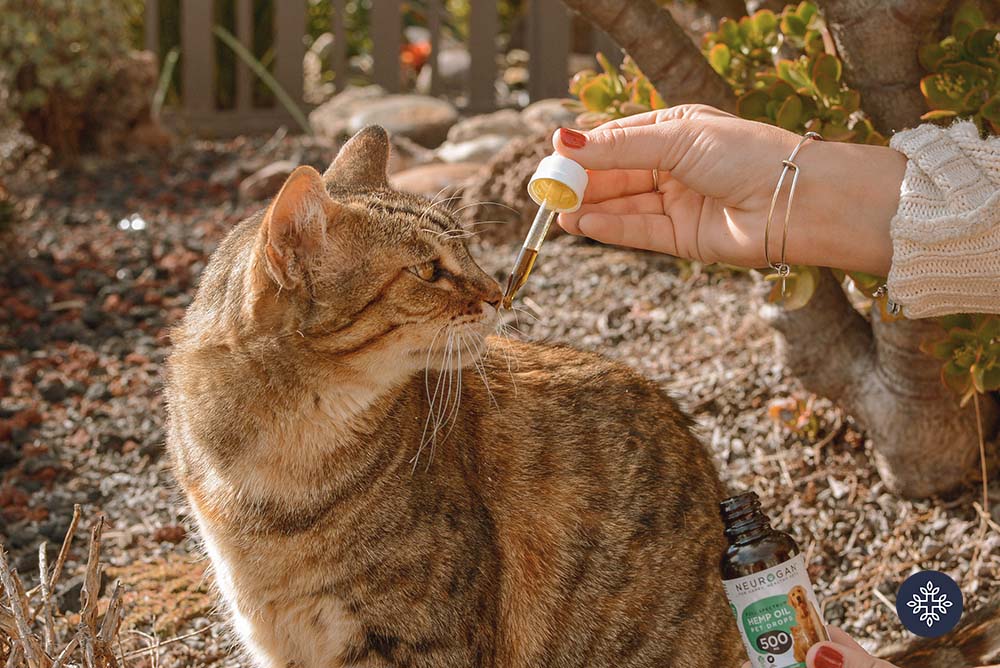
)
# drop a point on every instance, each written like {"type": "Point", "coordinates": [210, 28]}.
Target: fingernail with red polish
{"type": "Point", "coordinates": [572, 138]}
{"type": "Point", "coordinates": [828, 657]}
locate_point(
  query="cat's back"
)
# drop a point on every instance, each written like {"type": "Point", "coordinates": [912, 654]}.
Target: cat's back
{"type": "Point", "coordinates": [610, 503]}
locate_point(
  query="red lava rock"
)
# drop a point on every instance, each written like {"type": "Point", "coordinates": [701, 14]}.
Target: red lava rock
{"type": "Point", "coordinates": [45, 475]}
{"type": "Point", "coordinates": [170, 534]}
{"type": "Point", "coordinates": [111, 303]}
{"type": "Point", "coordinates": [136, 358]}
{"type": "Point", "coordinates": [79, 438]}
{"type": "Point", "coordinates": [20, 310]}
{"type": "Point", "coordinates": [26, 418]}
{"type": "Point", "coordinates": [11, 497]}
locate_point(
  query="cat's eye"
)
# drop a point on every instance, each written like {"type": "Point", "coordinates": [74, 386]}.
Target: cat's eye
{"type": "Point", "coordinates": [425, 271]}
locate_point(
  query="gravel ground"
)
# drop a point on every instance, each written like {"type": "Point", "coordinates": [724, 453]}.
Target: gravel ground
{"type": "Point", "coordinates": [87, 296]}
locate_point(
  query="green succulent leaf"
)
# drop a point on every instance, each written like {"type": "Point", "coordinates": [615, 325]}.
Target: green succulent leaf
{"type": "Point", "coordinates": [752, 104]}
{"type": "Point", "coordinates": [764, 24]}
{"type": "Point", "coordinates": [941, 92]}
{"type": "Point", "coordinates": [939, 115]}
{"type": "Point", "coordinates": [956, 378]}
{"type": "Point", "coordinates": [991, 109]}
{"type": "Point", "coordinates": [789, 114]}
{"type": "Point", "coordinates": [720, 58]}
{"type": "Point", "coordinates": [729, 32]}
{"type": "Point", "coordinates": [980, 43]}
{"type": "Point", "coordinates": [931, 56]}
{"type": "Point", "coordinates": [827, 86]}
{"type": "Point", "coordinates": [827, 65]}
{"type": "Point", "coordinates": [970, 14]}
{"type": "Point", "coordinates": [800, 285]}
{"type": "Point", "coordinates": [596, 95]}
{"type": "Point", "coordinates": [805, 11]}
{"type": "Point", "coordinates": [792, 24]}
{"type": "Point", "coordinates": [963, 320]}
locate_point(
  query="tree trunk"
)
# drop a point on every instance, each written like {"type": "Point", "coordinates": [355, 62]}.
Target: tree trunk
{"type": "Point", "coordinates": [673, 63]}
{"type": "Point", "coordinates": [718, 9]}
{"type": "Point", "coordinates": [878, 41]}
{"type": "Point", "coordinates": [923, 442]}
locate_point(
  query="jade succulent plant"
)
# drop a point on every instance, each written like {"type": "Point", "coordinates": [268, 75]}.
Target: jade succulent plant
{"type": "Point", "coordinates": [964, 79]}
{"type": "Point", "coordinates": [612, 93]}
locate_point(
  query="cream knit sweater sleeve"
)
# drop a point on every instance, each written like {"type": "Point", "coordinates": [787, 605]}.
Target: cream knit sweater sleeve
{"type": "Point", "coordinates": [946, 232]}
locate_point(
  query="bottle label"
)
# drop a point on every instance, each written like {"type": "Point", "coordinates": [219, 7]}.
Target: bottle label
{"type": "Point", "coordinates": [777, 614]}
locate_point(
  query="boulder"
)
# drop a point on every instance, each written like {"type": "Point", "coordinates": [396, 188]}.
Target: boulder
{"type": "Point", "coordinates": [479, 149]}
{"type": "Point", "coordinates": [436, 180]}
{"type": "Point", "coordinates": [406, 153]}
{"type": "Point", "coordinates": [266, 181]}
{"type": "Point", "coordinates": [547, 115]}
{"type": "Point", "coordinates": [506, 122]}
{"type": "Point", "coordinates": [425, 120]}
{"type": "Point", "coordinates": [331, 119]}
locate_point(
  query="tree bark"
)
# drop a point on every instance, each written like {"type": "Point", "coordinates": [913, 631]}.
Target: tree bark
{"type": "Point", "coordinates": [924, 443]}
{"type": "Point", "coordinates": [878, 41]}
{"type": "Point", "coordinates": [673, 63]}
{"type": "Point", "coordinates": [718, 9]}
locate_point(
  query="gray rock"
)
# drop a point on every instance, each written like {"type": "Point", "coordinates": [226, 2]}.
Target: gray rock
{"type": "Point", "coordinates": [266, 181]}
{"type": "Point", "coordinates": [97, 392]}
{"type": "Point", "coordinates": [548, 114]}
{"type": "Point", "coordinates": [406, 153]}
{"type": "Point", "coordinates": [331, 118]}
{"type": "Point", "coordinates": [479, 150]}
{"type": "Point", "coordinates": [506, 122]}
{"type": "Point", "coordinates": [425, 120]}
{"type": "Point", "coordinates": [440, 179]}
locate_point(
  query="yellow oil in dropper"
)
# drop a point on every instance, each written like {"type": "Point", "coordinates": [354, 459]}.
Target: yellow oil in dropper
{"type": "Point", "coordinates": [552, 196]}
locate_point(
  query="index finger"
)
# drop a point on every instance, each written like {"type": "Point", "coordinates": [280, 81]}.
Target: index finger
{"type": "Point", "coordinates": [678, 112]}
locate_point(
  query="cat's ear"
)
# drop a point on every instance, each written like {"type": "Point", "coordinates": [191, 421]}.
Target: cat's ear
{"type": "Point", "coordinates": [362, 161]}
{"type": "Point", "coordinates": [295, 226]}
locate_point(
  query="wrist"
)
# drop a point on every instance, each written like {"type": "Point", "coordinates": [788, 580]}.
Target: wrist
{"type": "Point", "coordinates": [847, 196]}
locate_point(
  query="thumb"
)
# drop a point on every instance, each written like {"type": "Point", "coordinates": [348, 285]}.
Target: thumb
{"type": "Point", "coordinates": [835, 655]}
{"type": "Point", "coordinates": [660, 146]}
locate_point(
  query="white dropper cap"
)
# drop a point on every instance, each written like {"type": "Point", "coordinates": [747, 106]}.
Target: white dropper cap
{"type": "Point", "coordinates": [558, 184]}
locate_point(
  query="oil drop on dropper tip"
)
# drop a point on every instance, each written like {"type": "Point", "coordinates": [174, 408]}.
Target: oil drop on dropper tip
{"type": "Point", "coordinates": [557, 186]}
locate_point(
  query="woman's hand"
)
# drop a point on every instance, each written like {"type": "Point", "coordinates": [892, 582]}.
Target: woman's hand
{"type": "Point", "coordinates": [840, 652]}
{"type": "Point", "coordinates": [716, 176]}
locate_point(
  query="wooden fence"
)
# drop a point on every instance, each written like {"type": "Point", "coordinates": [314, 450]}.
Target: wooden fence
{"type": "Point", "coordinates": [548, 45]}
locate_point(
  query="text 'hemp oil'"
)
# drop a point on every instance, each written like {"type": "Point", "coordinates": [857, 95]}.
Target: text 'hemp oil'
{"type": "Point", "coordinates": [764, 575]}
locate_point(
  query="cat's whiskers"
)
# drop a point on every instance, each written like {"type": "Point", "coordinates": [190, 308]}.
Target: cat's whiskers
{"type": "Point", "coordinates": [456, 403]}
{"type": "Point", "coordinates": [505, 349]}
{"type": "Point", "coordinates": [436, 202]}
{"type": "Point", "coordinates": [479, 363]}
{"type": "Point", "coordinates": [470, 204]}
{"type": "Point", "coordinates": [521, 309]}
{"type": "Point", "coordinates": [431, 420]}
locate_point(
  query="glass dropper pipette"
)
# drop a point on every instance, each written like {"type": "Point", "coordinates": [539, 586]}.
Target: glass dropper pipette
{"type": "Point", "coordinates": [557, 186]}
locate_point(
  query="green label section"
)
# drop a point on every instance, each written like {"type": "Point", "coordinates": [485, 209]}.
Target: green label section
{"type": "Point", "coordinates": [767, 624]}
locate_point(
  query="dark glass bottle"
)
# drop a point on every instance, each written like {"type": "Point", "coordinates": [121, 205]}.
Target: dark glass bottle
{"type": "Point", "coordinates": [753, 544]}
{"type": "Point", "coordinates": [765, 578]}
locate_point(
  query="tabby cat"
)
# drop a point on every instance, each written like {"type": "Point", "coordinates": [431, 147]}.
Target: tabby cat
{"type": "Point", "coordinates": [360, 509]}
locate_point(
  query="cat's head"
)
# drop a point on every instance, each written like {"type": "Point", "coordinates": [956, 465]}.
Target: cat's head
{"type": "Point", "coordinates": [347, 270]}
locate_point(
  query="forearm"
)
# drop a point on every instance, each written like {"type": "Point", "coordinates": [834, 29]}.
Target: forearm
{"type": "Point", "coordinates": [846, 199]}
